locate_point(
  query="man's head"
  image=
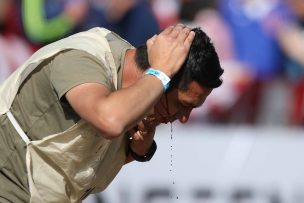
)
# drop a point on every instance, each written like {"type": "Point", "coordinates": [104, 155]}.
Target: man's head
{"type": "Point", "coordinates": [189, 88]}
{"type": "Point", "coordinates": [202, 64]}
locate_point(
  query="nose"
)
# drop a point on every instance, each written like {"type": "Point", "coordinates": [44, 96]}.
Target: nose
{"type": "Point", "coordinates": [185, 116]}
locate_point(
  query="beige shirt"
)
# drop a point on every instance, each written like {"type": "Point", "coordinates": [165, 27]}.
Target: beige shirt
{"type": "Point", "coordinates": [41, 109]}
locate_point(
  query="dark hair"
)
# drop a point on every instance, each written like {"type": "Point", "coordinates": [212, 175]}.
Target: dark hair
{"type": "Point", "coordinates": [202, 63]}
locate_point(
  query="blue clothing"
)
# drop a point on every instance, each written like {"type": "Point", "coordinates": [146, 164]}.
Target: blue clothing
{"type": "Point", "coordinates": [137, 26]}
{"type": "Point", "coordinates": [253, 45]}
{"type": "Point", "coordinates": [295, 70]}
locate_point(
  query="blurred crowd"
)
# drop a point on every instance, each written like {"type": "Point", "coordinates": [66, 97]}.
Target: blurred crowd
{"type": "Point", "coordinates": [260, 44]}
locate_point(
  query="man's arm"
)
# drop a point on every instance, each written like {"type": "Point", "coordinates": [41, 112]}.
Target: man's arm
{"type": "Point", "coordinates": [114, 113]}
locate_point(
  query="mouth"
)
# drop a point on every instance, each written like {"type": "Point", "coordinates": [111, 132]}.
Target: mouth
{"type": "Point", "coordinates": [167, 120]}
{"type": "Point", "coordinates": [160, 120]}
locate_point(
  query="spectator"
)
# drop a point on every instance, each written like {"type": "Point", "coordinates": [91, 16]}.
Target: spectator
{"type": "Point", "coordinates": [13, 49]}
{"type": "Point", "coordinates": [220, 104]}
{"type": "Point", "coordinates": [289, 31]}
{"type": "Point", "coordinates": [134, 20]}
{"type": "Point", "coordinates": [260, 52]}
{"type": "Point", "coordinates": [48, 20]}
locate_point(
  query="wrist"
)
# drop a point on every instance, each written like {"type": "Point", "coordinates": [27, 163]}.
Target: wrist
{"type": "Point", "coordinates": [140, 147]}
{"type": "Point", "coordinates": [163, 77]}
{"type": "Point", "coordinates": [165, 71]}
{"type": "Point", "coordinates": [142, 155]}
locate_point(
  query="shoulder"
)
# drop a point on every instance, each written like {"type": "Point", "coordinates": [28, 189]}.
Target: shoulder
{"type": "Point", "coordinates": [75, 67]}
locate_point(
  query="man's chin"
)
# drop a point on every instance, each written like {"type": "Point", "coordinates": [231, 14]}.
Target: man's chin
{"type": "Point", "coordinates": [166, 121]}
{"type": "Point", "coordinates": [157, 121]}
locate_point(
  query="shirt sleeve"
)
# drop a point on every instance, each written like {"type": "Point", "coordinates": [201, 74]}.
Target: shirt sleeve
{"type": "Point", "coordinates": [76, 67]}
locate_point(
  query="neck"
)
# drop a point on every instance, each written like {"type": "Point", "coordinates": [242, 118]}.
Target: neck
{"type": "Point", "coordinates": [131, 72]}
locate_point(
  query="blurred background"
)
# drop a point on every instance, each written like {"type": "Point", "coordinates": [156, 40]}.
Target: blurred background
{"type": "Point", "coordinates": [246, 143]}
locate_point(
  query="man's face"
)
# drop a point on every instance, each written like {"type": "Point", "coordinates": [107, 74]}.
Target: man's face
{"type": "Point", "coordinates": [178, 104]}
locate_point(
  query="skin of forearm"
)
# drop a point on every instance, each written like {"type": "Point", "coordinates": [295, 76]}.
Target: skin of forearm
{"type": "Point", "coordinates": [114, 113]}
{"type": "Point", "coordinates": [128, 106]}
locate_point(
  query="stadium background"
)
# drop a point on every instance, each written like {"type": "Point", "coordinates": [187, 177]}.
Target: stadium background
{"type": "Point", "coordinates": [246, 143]}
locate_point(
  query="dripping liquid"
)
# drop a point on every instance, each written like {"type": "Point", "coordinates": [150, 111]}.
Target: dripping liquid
{"type": "Point", "coordinates": [171, 158]}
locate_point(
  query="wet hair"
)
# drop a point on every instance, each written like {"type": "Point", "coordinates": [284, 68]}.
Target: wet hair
{"type": "Point", "coordinates": [201, 65]}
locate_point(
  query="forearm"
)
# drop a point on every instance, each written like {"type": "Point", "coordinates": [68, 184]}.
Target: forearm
{"type": "Point", "coordinates": [130, 105]}
{"type": "Point", "coordinates": [114, 113]}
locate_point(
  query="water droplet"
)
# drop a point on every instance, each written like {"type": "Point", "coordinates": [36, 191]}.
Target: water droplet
{"type": "Point", "coordinates": [171, 160]}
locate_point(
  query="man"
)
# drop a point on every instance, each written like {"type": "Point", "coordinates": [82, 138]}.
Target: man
{"type": "Point", "coordinates": [69, 112]}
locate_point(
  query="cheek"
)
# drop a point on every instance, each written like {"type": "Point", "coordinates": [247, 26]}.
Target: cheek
{"type": "Point", "coordinates": [173, 109]}
{"type": "Point", "coordinates": [176, 107]}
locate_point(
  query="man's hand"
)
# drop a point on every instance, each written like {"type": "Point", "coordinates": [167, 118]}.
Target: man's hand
{"type": "Point", "coordinates": [168, 50]}
{"type": "Point", "coordinates": [142, 137]}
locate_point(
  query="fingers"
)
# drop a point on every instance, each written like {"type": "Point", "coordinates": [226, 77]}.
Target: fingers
{"type": "Point", "coordinates": [173, 31]}
{"type": "Point", "coordinates": [138, 135]}
{"type": "Point", "coordinates": [180, 33]}
{"type": "Point", "coordinates": [168, 30]}
{"type": "Point", "coordinates": [151, 41]}
{"type": "Point", "coordinates": [168, 50]}
{"type": "Point", "coordinates": [189, 39]}
{"type": "Point", "coordinates": [147, 124]}
{"type": "Point", "coordinates": [183, 34]}
{"type": "Point", "coordinates": [177, 30]}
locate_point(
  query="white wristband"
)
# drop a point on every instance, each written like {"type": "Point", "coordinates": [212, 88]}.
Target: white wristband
{"type": "Point", "coordinates": [165, 80]}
